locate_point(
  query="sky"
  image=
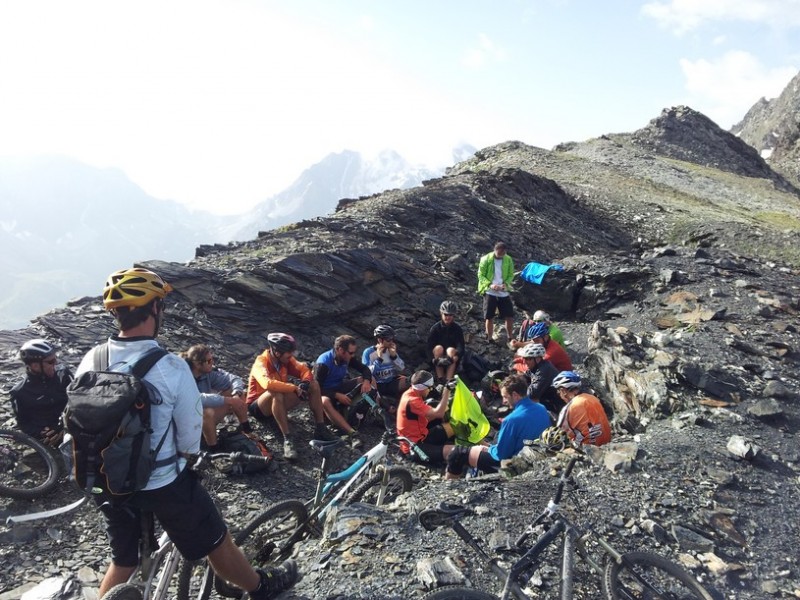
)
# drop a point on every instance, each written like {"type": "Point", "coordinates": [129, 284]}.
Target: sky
{"type": "Point", "coordinates": [220, 104]}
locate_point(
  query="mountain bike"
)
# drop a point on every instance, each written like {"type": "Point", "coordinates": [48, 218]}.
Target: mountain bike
{"type": "Point", "coordinates": [271, 536]}
{"type": "Point", "coordinates": [28, 469]}
{"type": "Point", "coordinates": [159, 558]}
{"type": "Point", "coordinates": [630, 576]}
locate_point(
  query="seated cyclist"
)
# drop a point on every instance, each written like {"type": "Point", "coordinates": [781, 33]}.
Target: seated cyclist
{"type": "Point", "coordinates": [338, 390]}
{"type": "Point", "coordinates": [278, 382]}
{"type": "Point", "coordinates": [526, 421]}
{"type": "Point", "coordinates": [424, 424]}
{"type": "Point", "coordinates": [386, 365]}
{"type": "Point", "coordinates": [540, 375]}
{"type": "Point", "coordinates": [583, 417]}
{"type": "Point", "coordinates": [39, 399]}
{"type": "Point", "coordinates": [538, 333]}
{"type": "Point", "coordinates": [222, 393]}
{"type": "Point", "coordinates": [446, 343]}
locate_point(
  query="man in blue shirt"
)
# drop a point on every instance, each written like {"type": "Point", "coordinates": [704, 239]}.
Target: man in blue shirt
{"type": "Point", "coordinates": [526, 421]}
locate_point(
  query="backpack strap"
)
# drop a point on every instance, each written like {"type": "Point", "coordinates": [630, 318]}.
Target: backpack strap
{"type": "Point", "coordinates": [100, 357]}
{"type": "Point", "coordinates": [146, 362]}
{"type": "Point", "coordinates": [140, 368]}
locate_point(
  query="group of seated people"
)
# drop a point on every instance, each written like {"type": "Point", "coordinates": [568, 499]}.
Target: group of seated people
{"type": "Point", "coordinates": [542, 385]}
{"type": "Point", "coordinates": [542, 389]}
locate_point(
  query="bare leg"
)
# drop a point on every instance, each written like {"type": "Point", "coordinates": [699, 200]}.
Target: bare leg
{"type": "Point", "coordinates": [315, 402]}
{"type": "Point", "coordinates": [510, 328]}
{"type": "Point", "coordinates": [489, 328]}
{"type": "Point", "coordinates": [278, 406]}
{"type": "Point", "coordinates": [335, 416]}
{"type": "Point", "coordinates": [211, 416]}
{"type": "Point", "coordinates": [114, 576]}
{"type": "Point", "coordinates": [230, 563]}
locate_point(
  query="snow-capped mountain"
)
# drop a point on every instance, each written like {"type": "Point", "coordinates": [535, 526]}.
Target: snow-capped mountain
{"type": "Point", "coordinates": [339, 175]}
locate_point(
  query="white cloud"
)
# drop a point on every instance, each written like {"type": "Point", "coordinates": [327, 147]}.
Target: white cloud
{"type": "Point", "coordinates": [724, 89]}
{"type": "Point", "coordinates": [682, 16]}
{"type": "Point", "coordinates": [484, 53]}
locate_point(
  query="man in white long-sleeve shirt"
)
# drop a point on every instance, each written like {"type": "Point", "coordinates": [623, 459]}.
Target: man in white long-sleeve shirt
{"type": "Point", "coordinates": [173, 493]}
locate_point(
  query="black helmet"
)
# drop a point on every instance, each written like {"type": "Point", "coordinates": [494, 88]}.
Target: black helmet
{"type": "Point", "coordinates": [36, 350]}
{"type": "Point", "coordinates": [384, 332]}
{"type": "Point", "coordinates": [448, 307]}
{"type": "Point", "coordinates": [281, 342]}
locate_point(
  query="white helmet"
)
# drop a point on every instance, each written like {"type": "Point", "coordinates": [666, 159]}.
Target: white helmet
{"type": "Point", "coordinates": [540, 315]}
{"type": "Point", "coordinates": [531, 351]}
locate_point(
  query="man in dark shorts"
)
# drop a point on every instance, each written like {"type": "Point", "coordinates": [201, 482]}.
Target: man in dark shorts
{"type": "Point", "coordinates": [338, 390]}
{"type": "Point", "coordinates": [173, 493]}
{"type": "Point", "coordinates": [495, 275]}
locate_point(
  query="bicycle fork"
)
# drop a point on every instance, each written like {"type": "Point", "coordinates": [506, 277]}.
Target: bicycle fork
{"type": "Point", "coordinates": [168, 557]}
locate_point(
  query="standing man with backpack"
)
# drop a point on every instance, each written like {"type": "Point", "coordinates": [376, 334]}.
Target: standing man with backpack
{"type": "Point", "coordinates": [173, 493]}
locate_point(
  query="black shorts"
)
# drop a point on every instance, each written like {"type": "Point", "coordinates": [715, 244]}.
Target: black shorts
{"type": "Point", "coordinates": [391, 389]}
{"type": "Point", "coordinates": [185, 510]}
{"type": "Point", "coordinates": [492, 304]}
{"type": "Point", "coordinates": [433, 445]}
{"type": "Point", "coordinates": [346, 387]}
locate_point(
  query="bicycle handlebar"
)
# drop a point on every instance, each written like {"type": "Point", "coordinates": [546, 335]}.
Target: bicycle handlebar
{"type": "Point", "coordinates": [197, 460]}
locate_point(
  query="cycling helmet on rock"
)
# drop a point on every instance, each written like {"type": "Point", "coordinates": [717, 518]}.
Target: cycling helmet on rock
{"type": "Point", "coordinates": [36, 350]}
{"type": "Point", "coordinates": [133, 288]}
{"type": "Point", "coordinates": [281, 342]}
{"type": "Point", "coordinates": [384, 332]}
{"type": "Point", "coordinates": [531, 351]}
{"type": "Point", "coordinates": [540, 315]}
{"type": "Point", "coordinates": [448, 307]}
{"type": "Point", "coordinates": [554, 438]}
{"type": "Point", "coordinates": [538, 330]}
{"type": "Point", "coordinates": [567, 379]}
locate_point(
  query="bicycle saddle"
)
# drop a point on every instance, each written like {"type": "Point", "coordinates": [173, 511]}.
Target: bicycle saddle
{"type": "Point", "coordinates": [326, 448]}
{"type": "Point", "coordinates": [431, 518]}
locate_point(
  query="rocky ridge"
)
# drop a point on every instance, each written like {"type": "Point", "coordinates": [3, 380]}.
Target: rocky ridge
{"type": "Point", "coordinates": [772, 127]}
{"type": "Point", "coordinates": [680, 298]}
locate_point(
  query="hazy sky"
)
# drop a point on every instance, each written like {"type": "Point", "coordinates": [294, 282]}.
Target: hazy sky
{"type": "Point", "coordinates": [220, 104]}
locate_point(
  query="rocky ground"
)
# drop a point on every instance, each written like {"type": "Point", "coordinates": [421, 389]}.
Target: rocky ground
{"type": "Point", "coordinates": [679, 295]}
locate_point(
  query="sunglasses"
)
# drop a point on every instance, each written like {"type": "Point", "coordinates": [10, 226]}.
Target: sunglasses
{"type": "Point", "coordinates": [51, 361]}
{"type": "Point", "coordinates": [448, 315]}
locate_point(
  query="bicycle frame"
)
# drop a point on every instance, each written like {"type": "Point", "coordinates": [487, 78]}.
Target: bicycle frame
{"type": "Point", "coordinates": [342, 481]}
{"type": "Point", "coordinates": [158, 564]}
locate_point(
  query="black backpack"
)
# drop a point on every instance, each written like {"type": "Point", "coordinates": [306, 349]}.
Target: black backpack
{"type": "Point", "coordinates": [238, 441]}
{"type": "Point", "coordinates": [108, 417]}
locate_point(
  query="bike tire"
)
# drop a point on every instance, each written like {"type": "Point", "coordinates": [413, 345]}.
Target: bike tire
{"type": "Point", "coordinates": [400, 482]}
{"type": "Point", "coordinates": [452, 592]}
{"type": "Point", "coordinates": [27, 468]}
{"type": "Point", "coordinates": [265, 539]}
{"type": "Point", "coordinates": [623, 581]}
{"type": "Point", "coordinates": [195, 580]}
{"type": "Point", "coordinates": [124, 591]}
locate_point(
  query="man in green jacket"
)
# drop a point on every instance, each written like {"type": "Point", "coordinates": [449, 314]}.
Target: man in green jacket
{"type": "Point", "coordinates": [495, 274]}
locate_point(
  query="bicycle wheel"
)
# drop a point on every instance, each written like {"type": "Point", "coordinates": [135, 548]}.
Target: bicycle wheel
{"type": "Point", "coordinates": [400, 481]}
{"type": "Point", "coordinates": [124, 591]}
{"type": "Point", "coordinates": [642, 575]}
{"type": "Point", "coordinates": [27, 468]}
{"type": "Point", "coordinates": [195, 580]}
{"type": "Point", "coordinates": [451, 592]}
{"type": "Point", "coordinates": [267, 539]}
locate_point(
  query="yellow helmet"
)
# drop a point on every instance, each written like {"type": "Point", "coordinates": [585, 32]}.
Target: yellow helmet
{"type": "Point", "coordinates": [554, 438]}
{"type": "Point", "coordinates": [133, 287]}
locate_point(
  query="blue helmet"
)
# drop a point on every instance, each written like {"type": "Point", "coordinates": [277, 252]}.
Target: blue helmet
{"type": "Point", "coordinates": [538, 330]}
{"type": "Point", "coordinates": [567, 379]}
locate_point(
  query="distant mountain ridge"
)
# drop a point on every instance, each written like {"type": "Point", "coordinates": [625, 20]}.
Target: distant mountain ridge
{"type": "Point", "coordinates": [318, 189]}
{"type": "Point", "coordinates": [65, 225]}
